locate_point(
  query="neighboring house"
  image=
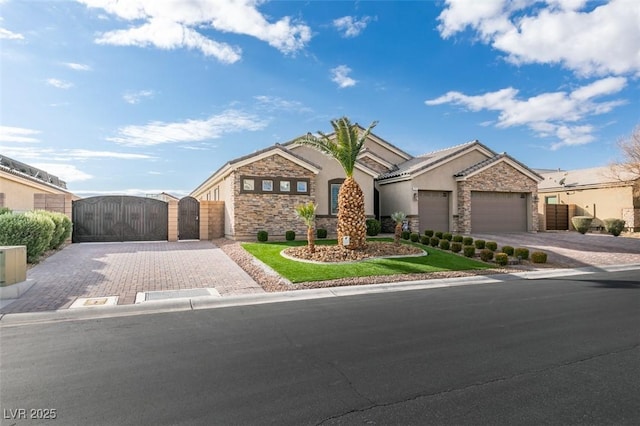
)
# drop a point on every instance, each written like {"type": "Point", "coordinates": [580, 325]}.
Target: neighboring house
{"type": "Point", "coordinates": [597, 192]}
{"type": "Point", "coordinates": [24, 187]}
{"type": "Point", "coordinates": [467, 188]}
{"type": "Point", "coordinates": [163, 196]}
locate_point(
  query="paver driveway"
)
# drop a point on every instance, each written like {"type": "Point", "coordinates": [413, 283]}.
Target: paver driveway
{"type": "Point", "coordinates": [572, 249]}
{"type": "Point", "coordinates": [124, 269]}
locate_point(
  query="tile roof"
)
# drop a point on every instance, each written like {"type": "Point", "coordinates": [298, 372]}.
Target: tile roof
{"type": "Point", "coordinates": [581, 177]}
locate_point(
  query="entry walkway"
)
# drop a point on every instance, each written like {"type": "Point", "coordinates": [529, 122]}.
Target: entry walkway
{"type": "Point", "coordinates": [98, 270]}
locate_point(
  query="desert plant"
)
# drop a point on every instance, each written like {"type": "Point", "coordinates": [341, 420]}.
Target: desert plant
{"type": "Point", "coordinates": [491, 245]}
{"type": "Point", "coordinates": [486, 254]}
{"type": "Point", "coordinates": [521, 253]}
{"type": "Point", "coordinates": [438, 234]}
{"type": "Point", "coordinates": [456, 247]}
{"type": "Point", "coordinates": [62, 230]}
{"type": "Point", "coordinates": [434, 241]}
{"type": "Point", "coordinates": [307, 212]}
{"type": "Point", "coordinates": [263, 236]}
{"type": "Point", "coordinates": [29, 229]}
{"type": "Point", "coordinates": [405, 235]}
{"type": "Point", "coordinates": [614, 226]}
{"type": "Point", "coordinates": [344, 145]}
{"type": "Point", "coordinates": [480, 244]}
{"type": "Point", "coordinates": [321, 233]}
{"type": "Point", "coordinates": [581, 223]}
{"type": "Point", "coordinates": [539, 257]}
{"type": "Point", "coordinates": [414, 236]}
{"type": "Point", "coordinates": [398, 218]}
{"type": "Point", "coordinates": [501, 259]}
{"type": "Point", "coordinates": [428, 232]}
{"type": "Point", "coordinates": [469, 251]}
{"type": "Point", "coordinates": [444, 244]}
{"type": "Point", "coordinates": [373, 227]}
{"type": "Point", "coordinates": [467, 241]}
{"type": "Point", "coordinates": [457, 238]}
{"type": "Point", "coordinates": [508, 250]}
{"type": "Point", "coordinates": [290, 235]}
{"type": "Point", "coordinates": [424, 240]}
{"type": "Point", "coordinates": [447, 236]}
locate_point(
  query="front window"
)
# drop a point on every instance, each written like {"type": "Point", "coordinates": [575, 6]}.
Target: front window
{"type": "Point", "coordinates": [301, 186]}
{"type": "Point", "coordinates": [267, 185]}
{"type": "Point", "coordinates": [248, 184]}
{"type": "Point", "coordinates": [551, 200]}
{"type": "Point", "coordinates": [333, 196]}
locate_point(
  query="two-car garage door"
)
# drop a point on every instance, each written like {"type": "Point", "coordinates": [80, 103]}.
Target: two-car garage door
{"type": "Point", "coordinates": [498, 211]}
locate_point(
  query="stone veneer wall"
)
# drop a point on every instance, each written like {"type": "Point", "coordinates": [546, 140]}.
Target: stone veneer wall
{"type": "Point", "coordinates": [274, 213]}
{"type": "Point", "coordinates": [500, 178]}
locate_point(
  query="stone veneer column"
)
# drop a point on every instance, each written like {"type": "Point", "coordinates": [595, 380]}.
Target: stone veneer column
{"type": "Point", "coordinates": [172, 220]}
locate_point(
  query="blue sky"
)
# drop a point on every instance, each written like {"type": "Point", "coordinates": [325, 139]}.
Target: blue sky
{"type": "Point", "coordinates": [144, 96]}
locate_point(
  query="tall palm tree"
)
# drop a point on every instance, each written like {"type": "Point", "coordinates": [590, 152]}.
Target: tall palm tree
{"type": "Point", "coordinates": [307, 212]}
{"type": "Point", "coordinates": [344, 145]}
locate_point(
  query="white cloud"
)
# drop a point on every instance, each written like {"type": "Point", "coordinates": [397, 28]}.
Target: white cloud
{"type": "Point", "coordinates": [135, 97]}
{"type": "Point", "coordinates": [340, 76]}
{"type": "Point", "coordinates": [66, 172]}
{"type": "Point", "coordinates": [10, 35]}
{"type": "Point", "coordinates": [18, 134]}
{"type": "Point", "coordinates": [553, 114]}
{"type": "Point", "coordinates": [43, 154]}
{"type": "Point", "coordinates": [350, 26]}
{"type": "Point", "coordinates": [78, 67]}
{"type": "Point", "coordinates": [275, 103]}
{"type": "Point", "coordinates": [600, 40]}
{"type": "Point", "coordinates": [60, 84]}
{"type": "Point", "coordinates": [158, 132]}
{"type": "Point", "coordinates": [84, 154]}
{"type": "Point", "coordinates": [172, 24]}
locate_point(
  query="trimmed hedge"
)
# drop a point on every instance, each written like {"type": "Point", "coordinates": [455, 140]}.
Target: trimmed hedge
{"type": "Point", "coordinates": [539, 257]}
{"type": "Point", "coordinates": [31, 229]}
{"type": "Point", "coordinates": [508, 250]}
{"type": "Point", "coordinates": [62, 229]}
{"type": "Point", "coordinates": [414, 236]}
{"type": "Point", "coordinates": [467, 241]}
{"type": "Point", "coordinates": [491, 245]}
{"type": "Point", "coordinates": [321, 233]}
{"type": "Point", "coordinates": [614, 226]}
{"type": "Point", "coordinates": [5, 210]}
{"type": "Point", "coordinates": [290, 235]}
{"type": "Point", "coordinates": [486, 254]}
{"type": "Point", "coordinates": [521, 253]}
{"type": "Point", "coordinates": [581, 223]}
{"type": "Point", "coordinates": [469, 251]}
{"type": "Point", "coordinates": [444, 244]}
{"type": "Point", "coordinates": [263, 236]}
{"type": "Point", "coordinates": [373, 227]}
{"type": "Point", "coordinates": [480, 244]}
{"type": "Point", "coordinates": [428, 232]}
{"type": "Point", "coordinates": [456, 247]}
{"type": "Point", "coordinates": [457, 238]}
{"type": "Point", "coordinates": [501, 259]}
{"type": "Point", "coordinates": [447, 236]}
{"type": "Point", "coordinates": [434, 241]}
{"type": "Point", "coordinates": [424, 240]}
{"type": "Point", "coordinates": [438, 234]}
{"type": "Point", "coordinates": [406, 235]}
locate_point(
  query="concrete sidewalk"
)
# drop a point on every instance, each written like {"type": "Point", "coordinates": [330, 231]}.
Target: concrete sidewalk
{"type": "Point", "coordinates": [102, 270]}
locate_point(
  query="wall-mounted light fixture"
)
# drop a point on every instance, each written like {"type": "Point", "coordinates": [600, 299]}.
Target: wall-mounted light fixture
{"type": "Point", "coordinates": [415, 193]}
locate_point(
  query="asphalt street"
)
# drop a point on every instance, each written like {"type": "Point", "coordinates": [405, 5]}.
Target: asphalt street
{"type": "Point", "coordinates": [524, 352]}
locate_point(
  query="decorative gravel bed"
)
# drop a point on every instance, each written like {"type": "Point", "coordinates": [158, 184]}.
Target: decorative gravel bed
{"type": "Point", "coordinates": [335, 253]}
{"type": "Point", "coordinates": [272, 282]}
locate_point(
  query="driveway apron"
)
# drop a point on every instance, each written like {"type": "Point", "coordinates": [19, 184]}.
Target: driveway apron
{"type": "Point", "coordinates": [89, 270]}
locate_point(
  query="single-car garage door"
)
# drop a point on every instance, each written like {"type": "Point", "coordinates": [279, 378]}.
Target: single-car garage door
{"type": "Point", "coordinates": [433, 210]}
{"type": "Point", "coordinates": [498, 211]}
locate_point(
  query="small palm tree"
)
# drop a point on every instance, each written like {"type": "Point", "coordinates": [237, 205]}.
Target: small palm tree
{"type": "Point", "coordinates": [344, 146]}
{"type": "Point", "coordinates": [398, 218]}
{"type": "Point", "coordinates": [307, 212]}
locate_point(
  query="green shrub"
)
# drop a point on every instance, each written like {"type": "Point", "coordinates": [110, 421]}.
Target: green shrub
{"type": "Point", "coordinates": [438, 234]}
{"type": "Point", "coordinates": [406, 235]}
{"type": "Point", "coordinates": [5, 210]}
{"type": "Point", "coordinates": [457, 238]}
{"type": "Point", "coordinates": [456, 247]}
{"type": "Point", "coordinates": [521, 253]}
{"type": "Point", "coordinates": [424, 240]}
{"type": "Point", "coordinates": [428, 232]}
{"type": "Point", "coordinates": [444, 244]}
{"type": "Point", "coordinates": [414, 237]}
{"type": "Point", "coordinates": [581, 223]}
{"type": "Point", "coordinates": [447, 236]}
{"type": "Point", "coordinates": [290, 235]}
{"type": "Point", "coordinates": [501, 259]}
{"type": "Point", "coordinates": [469, 251]}
{"type": "Point", "coordinates": [373, 227]}
{"type": "Point", "coordinates": [479, 244]}
{"type": "Point", "coordinates": [614, 226]}
{"type": "Point", "coordinates": [508, 250]}
{"type": "Point", "coordinates": [29, 229]}
{"type": "Point", "coordinates": [321, 233]}
{"type": "Point", "coordinates": [491, 245]}
{"type": "Point", "coordinates": [263, 236]}
{"type": "Point", "coordinates": [486, 254]}
{"type": "Point", "coordinates": [434, 241]}
{"type": "Point", "coordinates": [62, 229]}
{"type": "Point", "coordinates": [539, 257]}
{"type": "Point", "coordinates": [467, 241]}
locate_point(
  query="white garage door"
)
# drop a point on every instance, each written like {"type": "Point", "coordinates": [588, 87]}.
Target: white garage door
{"type": "Point", "coordinates": [498, 211]}
{"type": "Point", "coordinates": [433, 209]}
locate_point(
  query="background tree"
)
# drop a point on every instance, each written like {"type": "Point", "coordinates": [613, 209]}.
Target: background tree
{"type": "Point", "coordinates": [307, 212]}
{"type": "Point", "coordinates": [344, 145]}
{"type": "Point", "coordinates": [398, 218]}
{"type": "Point", "coordinates": [628, 167]}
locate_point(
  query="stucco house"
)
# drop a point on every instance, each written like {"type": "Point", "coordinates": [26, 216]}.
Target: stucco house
{"type": "Point", "coordinates": [466, 188]}
{"type": "Point", "coordinates": [598, 192]}
{"type": "Point", "coordinates": [24, 187]}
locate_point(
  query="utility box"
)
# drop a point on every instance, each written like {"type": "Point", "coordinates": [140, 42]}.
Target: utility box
{"type": "Point", "coordinates": [13, 265]}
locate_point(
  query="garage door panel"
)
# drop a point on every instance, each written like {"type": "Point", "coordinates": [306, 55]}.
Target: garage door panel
{"type": "Point", "coordinates": [433, 210]}
{"type": "Point", "coordinates": [498, 211]}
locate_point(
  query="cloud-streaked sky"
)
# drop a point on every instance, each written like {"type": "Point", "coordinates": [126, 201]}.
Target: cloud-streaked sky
{"type": "Point", "coordinates": [144, 96]}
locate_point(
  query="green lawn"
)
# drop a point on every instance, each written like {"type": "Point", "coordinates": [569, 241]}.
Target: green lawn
{"type": "Point", "coordinates": [297, 272]}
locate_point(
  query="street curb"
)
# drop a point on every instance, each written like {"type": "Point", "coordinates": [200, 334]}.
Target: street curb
{"type": "Point", "coordinates": [212, 302]}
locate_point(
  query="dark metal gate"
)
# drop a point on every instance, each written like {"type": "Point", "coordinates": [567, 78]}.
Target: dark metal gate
{"type": "Point", "coordinates": [188, 219]}
{"type": "Point", "coordinates": [557, 217]}
{"type": "Point", "coordinates": [114, 218]}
